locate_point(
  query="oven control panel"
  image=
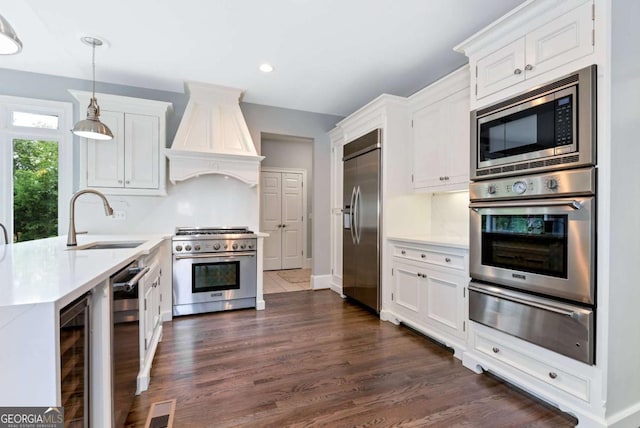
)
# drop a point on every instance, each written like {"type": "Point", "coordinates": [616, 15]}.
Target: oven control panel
{"type": "Point", "coordinates": [214, 246]}
{"type": "Point", "coordinates": [560, 183]}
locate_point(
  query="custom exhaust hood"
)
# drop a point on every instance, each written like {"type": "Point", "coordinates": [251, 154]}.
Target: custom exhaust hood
{"type": "Point", "coordinates": [213, 137]}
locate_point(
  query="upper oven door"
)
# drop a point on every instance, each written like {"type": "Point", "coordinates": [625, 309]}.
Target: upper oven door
{"type": "Point", "coordinates": [199, 278]}
{"type": "Point", "coordinates": [545, 246]}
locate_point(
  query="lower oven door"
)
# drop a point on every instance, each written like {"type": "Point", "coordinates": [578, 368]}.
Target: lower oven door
{"type": "Point", "coordinates": [565, 329]}
{"type": "Point", "coordinates": [202, 278]}
{"type": "Point", "coordinates": [545, 246]}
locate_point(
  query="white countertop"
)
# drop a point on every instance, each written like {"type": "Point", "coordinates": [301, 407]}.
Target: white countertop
{"type": "Point", "coordinates": [447, 241]}
{"type": "Point", "coordinates": [46, 271]}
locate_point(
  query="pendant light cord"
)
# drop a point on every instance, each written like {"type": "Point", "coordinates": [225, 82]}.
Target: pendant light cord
{"type": "Point", "coordinates": [93, 64]}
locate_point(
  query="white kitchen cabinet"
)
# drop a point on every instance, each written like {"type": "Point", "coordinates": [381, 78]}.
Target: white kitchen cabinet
{"type": "Point", "coordinates": [544, 38]}
{"type": "Point", "coordinates": [152, 294]}
{"type": "Point", "coordinates": [429, 291]}
{"type": "Point", "coordinates": [131, 163]}
{"type": "Point", "coordinates": [440, 134]}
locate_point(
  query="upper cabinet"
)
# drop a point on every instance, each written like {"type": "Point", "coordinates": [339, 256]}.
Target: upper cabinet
{"type": "Point", "coordinates": [131, 163]}
{"type": "Point", "coordinates": [529, 42]}
{"type": "Point", "coordinates": [440, 134]}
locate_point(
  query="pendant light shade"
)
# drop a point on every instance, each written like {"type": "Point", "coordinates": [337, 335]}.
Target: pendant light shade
{"type": "Point", "coordinates": [92, 127]}
{"type": "Point", "coordinates": [9, 42]}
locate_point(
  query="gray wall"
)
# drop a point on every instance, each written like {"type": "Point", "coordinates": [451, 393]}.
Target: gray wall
{"type": "Point", "coordinates": [287, 152]}
{"type": "Point", "coordinates": [275, 120]}
{"type": "Point", "coordinates": [624, 292]}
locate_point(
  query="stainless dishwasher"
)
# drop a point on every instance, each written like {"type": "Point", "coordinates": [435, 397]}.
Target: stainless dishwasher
{"type": "Point", "coordinates": [125, 339]}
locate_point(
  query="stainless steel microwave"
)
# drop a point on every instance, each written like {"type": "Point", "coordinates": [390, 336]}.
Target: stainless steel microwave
{"type": "Point", "coordinates": [547, 128]}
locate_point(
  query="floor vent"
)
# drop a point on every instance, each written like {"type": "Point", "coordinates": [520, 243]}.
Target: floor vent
{"type": "Point", "coordinates": [161, 414]}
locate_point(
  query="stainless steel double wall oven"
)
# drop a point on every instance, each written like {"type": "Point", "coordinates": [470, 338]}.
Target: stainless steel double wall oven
{"type": "Point", "coordinates": [533, 236]}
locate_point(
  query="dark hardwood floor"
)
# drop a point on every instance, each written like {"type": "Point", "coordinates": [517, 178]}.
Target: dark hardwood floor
{"type": "Point", "coordinates": [311, 359]}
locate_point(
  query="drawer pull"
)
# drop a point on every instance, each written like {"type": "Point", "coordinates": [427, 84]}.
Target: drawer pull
{"type": "Point", "coordinates": [447, 259]}
{"type": "Point", "coordinates": [553, 375]}
{"type": "Point", "coordinates": [403, 252]}
{"type": "Point", "coordinates": [496, 350]}
{"type": "Point", "coordinates": [424, 256]}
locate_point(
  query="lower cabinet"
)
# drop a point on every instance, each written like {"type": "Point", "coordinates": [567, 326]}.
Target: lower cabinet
{"type": "Point", "coordinates": [151, 297]}
{"type": "Point", "coordinates": [428, 292]}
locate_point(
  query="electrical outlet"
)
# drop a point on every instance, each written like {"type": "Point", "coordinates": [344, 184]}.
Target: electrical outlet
{"type": "Point", "coordinates": [119, 215]}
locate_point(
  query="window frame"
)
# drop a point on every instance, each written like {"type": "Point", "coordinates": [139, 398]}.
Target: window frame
{"type": "Point", "coordinates": [9, 132]}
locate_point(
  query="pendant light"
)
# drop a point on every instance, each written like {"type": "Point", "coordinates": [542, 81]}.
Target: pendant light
{"type": "Point", "coordinates": [9, 42]}
{"type": "Point", "coordinates": [91, 127]}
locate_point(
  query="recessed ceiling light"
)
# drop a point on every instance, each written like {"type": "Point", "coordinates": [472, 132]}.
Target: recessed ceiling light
{"type": "Point", "coordinates": [266, 67]}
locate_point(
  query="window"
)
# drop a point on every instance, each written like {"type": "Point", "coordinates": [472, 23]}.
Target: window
{"type": "Point", "coordinates": [35, 167]}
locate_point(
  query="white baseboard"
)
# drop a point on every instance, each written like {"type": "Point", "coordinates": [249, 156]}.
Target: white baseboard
{"type": "Point", "coordinates": [320, 282]}
{"type": "Point", "coordinates": [336, 289]}
{"type": "Point", "coordinates": [308, 264]}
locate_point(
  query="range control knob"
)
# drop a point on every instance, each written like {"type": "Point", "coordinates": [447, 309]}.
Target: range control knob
{"type": "Point", "coordinates": [552, 184]}
{"type": "Point", "coordinates": [250, 246]}
{"type": "Point", "coordinates": [187, 247]}
{"type": "Point", "coordinates": [243, 246]}
{"type": "Point", "coordinates": [216, 246]}
{"type": "Point", "coordinates": [226, 246]}
{"type": "Point", "coordinates": [196, 247]}
{"type": "Point", "coordinates": [178, 247]}
{"type": "Point", "coordinates": [235, 246]}
{"type": "Point", "coordinates": [519, 187]}
{"type": "Point", "coordinates": [491, 189]}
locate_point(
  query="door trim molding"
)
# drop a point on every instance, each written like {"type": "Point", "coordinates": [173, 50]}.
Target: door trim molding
{"type": "Point", "coordinates": [305, 204]}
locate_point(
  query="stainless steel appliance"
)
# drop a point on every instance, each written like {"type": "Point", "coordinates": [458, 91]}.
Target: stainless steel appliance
{"type": "Point", "coordinates": [547, 128]}
{"type": "Point", "coordinates": [214, 269]}
{"type": "Point", "coordinates": [361, 220]}
{"type": "Point", "coordinates": [532, 258]}
{"type": "Point", "coordinates": [125, 339]}
{"type": "Point", "coordinates": [75, 352]}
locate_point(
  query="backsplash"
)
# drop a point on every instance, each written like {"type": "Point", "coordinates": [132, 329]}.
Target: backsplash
{"type": "Point", "coordinates": [210, 200]}
{"type": "Point", "coordinates": [426, 214]}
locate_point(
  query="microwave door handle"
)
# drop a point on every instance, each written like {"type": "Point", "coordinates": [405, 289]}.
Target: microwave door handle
{"type": "Point", "coordinates": [528, 204]}
{"type": "Point", "coordinates": [529, 301]}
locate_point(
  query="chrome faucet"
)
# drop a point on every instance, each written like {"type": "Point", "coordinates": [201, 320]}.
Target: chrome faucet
{"type": "Point", "coordinates": [71, 236]}
{"type": "Point", "coordinates": [4, 233]}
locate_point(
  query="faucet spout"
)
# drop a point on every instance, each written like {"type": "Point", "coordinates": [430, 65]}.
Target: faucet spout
{"type": "Point", "coordinates": [71, 236]}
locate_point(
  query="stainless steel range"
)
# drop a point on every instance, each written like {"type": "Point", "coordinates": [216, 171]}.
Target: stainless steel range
{"type": "Point", "coordinates": [214, 269]}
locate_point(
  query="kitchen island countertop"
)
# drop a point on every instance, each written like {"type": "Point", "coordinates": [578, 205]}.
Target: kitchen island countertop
{"type": "Point", "coordinates": [47, 271]}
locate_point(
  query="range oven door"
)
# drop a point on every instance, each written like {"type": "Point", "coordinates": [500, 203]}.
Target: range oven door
{"type": "Point", "coordinates": [202, 278]}
{"type": "Point", "coordinates": [566, 329]}
{"type": "Point", "coordinates": [545, 246]}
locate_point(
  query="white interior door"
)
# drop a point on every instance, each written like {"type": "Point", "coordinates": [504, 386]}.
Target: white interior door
{"type": "Point", "coordinates": [282, 218]}
{"type": "Point", "coordinates": [292, 221]}
{"type": "Point", "coordinates": [271, 218]}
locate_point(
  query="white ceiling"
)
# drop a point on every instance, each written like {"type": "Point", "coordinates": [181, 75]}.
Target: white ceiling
{"type": "Point", "coordinates": [330, 56]}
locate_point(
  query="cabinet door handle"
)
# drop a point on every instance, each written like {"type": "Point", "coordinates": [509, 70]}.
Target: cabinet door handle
{"type": "Point", "coordinates": [495, 350]}
{"type": "Point", "coordinates": [553, 375]}
{"type": "Point", "coordinates": [127, 182]}
{"type": "Point", "coordinates": [403, 252]}
{"type": "Point", "coordinates": [284, 225]}
{"type": "Point", "coordinates": [119, 181]}
{"type": "Point", "coordinates": [528, 67]}
{"type": "Point", "coordinates": [517, 71]}
{"type": "Point", "coordinates": [424, 256]}
{"type": "Point", "coordinates": [447, 259]}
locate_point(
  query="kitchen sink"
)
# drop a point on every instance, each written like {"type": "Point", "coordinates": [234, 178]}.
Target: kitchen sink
{"type": "Point", "coordinates": [108, 245]}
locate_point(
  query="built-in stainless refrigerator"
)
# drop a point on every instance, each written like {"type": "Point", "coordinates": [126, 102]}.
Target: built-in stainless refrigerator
{"type": "Point", "coordinates": [361, 220]}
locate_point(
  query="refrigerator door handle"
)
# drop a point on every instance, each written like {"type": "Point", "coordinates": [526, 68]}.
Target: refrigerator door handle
{"type": "Point", "coordinates": [352, 214]}
{"type": "Point", "coordinates": [357, 215]}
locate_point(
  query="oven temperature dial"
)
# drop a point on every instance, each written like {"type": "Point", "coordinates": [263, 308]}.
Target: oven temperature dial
{"type": "Point", "coordinates": [178, 247]}
{"type": "Point", "coordinates": [187, 247]}
{"type": "Point", "coordinates": [216, 246]}
{"type": "Point", "coordinates": [196, 247]}
{"type": "Point", "coordinates": [519, 187]}
{"type": "Point", "coordinates": [235, 246]}
{"type": "Point", "coordinates": [552, 184]}
{"type": "Point", "coordinates": [491, 189]}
